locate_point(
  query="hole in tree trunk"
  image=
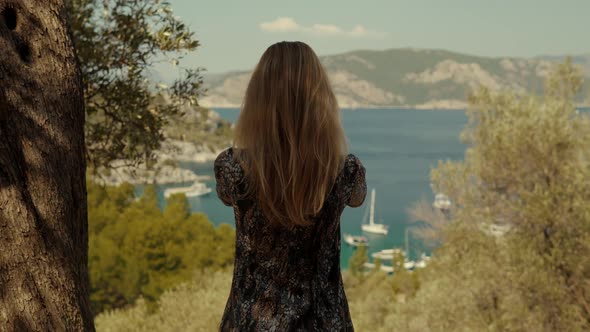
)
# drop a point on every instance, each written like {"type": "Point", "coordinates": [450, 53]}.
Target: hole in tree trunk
{"type": "Point", "coordinates": [9, 17]}
{"type": "Point", "coordinates": [24, 51]}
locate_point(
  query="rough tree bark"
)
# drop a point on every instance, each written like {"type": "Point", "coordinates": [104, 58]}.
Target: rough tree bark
{"type": "Point", "coordinates": [43, 214]}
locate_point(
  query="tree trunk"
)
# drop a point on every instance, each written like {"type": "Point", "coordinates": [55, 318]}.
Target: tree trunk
{"type": "Point", "coordinates": [43, 214]}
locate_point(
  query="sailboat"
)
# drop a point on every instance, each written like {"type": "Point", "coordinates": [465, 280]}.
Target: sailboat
{"type": "Point", "coordinates": [355, 240]}
{"type": "Point", "coordinates": [372, 227]}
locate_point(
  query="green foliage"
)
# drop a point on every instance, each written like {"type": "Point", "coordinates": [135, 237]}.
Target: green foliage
{"type": "Point", "coordinates": [136, 250]}
{"type": "Point", "coordinates": [193, 306]}
{"type": "Point", "coordinates": [565, 82]}
{"type": "Point", "coordinates": [404, 283]}
{"type": "Point", "coordinates": [397, 262]}
{"type": "Point", "coordinates": [177, 208]}
{"type": "Point", "coordinates": [117, 42]}
{"type": "Point", "coordinates": [224, 254]}
{"type": "Point", "coordinates": [369, 299]}
{"type": "Point", "coordinates": [377, 262]}
{"type": "Point", "coordinates": [515, 254]}
{"type": "Point", "coordinates": [169, 162]}
{"type": "Point", "coordinates": [358, 259]}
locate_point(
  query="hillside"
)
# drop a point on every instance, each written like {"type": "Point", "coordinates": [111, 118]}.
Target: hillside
{"type": "Point", "coordinates": [198, 135]}
{"type": "Point", "coordinates": [416, 78]}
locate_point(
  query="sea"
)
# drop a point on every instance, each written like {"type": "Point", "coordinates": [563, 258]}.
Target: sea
{"type": "Point", "coordinates": [398, 148]}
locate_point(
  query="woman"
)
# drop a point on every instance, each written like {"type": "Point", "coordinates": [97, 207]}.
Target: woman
{"type": "Point", "coordinates": [288, 178]}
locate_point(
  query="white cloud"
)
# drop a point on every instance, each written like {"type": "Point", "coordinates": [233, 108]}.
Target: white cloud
{"type": "Point", "coordinates": [359, 30]}
{"type": "Point", "coordinates": [281, 24]}
{"type": "Point", "coordinates": [325, 29]}
{"type": "Point", "coordinates": [288, 24]}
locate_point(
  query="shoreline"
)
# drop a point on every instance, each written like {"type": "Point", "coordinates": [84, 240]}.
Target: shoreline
{"type": "Point", "coordinates": [163, 173]}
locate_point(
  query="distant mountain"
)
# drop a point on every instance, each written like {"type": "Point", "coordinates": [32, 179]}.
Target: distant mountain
{"type": "Point", "coordinates": [415, 78]}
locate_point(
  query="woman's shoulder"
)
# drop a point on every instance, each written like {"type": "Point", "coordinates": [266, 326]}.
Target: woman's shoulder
{"type": "Point", "coordinates": [226, 156]}
{"type": "Point", "coordinates": [352, 167]}
{"type": "Point", "coordinates": [352, 162]}
{"type": "Point", "coordinates": [226, 162]}
{"type": "Point", "coordinates": [351, 158]}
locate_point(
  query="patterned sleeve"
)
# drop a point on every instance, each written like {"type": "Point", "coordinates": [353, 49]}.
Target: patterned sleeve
{"type": "Point", "coordinates": [224, 176]}
{"type": "Point", "coordinates": [359, 183]}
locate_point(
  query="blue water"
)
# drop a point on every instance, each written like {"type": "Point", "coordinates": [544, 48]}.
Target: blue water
{"type": "Point", "coordinates": [398, 149]}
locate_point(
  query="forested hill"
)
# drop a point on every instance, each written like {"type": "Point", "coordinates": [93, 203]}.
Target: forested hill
{"type": "Point", "coordinates": [420, 78]}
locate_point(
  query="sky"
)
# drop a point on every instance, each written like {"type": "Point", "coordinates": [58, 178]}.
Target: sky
{"type": "Point", "coordinates": [234, 34]}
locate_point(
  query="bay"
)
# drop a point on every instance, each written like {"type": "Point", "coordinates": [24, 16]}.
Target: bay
{"type": "Point", "coordinates": [398, 148]}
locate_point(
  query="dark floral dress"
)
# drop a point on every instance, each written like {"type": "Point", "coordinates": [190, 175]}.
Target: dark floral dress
{"type": "Point", "coordinates": [287, 280]}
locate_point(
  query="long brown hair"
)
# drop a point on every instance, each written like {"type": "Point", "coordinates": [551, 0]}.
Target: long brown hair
{"type": "Point", "coordinates": [288, 137]}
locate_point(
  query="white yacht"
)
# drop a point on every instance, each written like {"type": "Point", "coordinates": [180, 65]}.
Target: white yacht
{"type": "Point", "coordinates": [409, 265]}
{"type": "Point", "coordinates": [372, 227]}
{"type": "Point", "coordinates": [442, 202]}
{"type": "Point", "coordinates": [387, 254]}
{"type": "Point", "coordinates": [388, 268]}
{"type": "Point", "coordinates": [424, 259]}
{"type": "Point", "coordinates": [196, 189]}
{"type": "Point", "coordinates": [356, 240]}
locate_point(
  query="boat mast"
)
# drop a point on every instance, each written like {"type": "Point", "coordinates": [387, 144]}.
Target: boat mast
{"type": "Point", "coordinates": [372, 206]}
{"type": "Point", "coordinates": [407, 247]}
